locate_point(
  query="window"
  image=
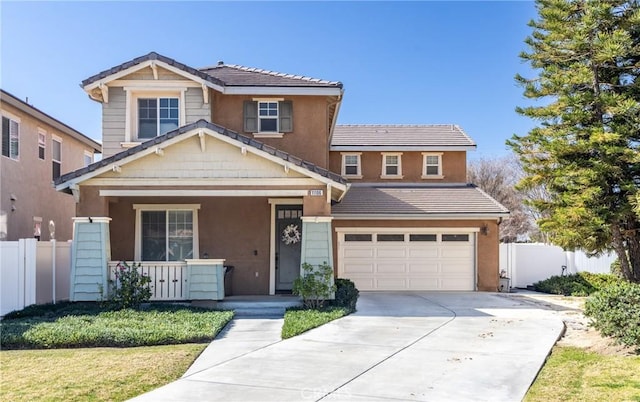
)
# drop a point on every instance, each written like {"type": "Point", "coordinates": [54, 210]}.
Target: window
{"type": "Point", "coordinates": [391, 166]}
{"type": "Point", "coordinates": [455, 237]}
{"type": "Point", "coordinates": [42, 144]}
{"type": "Point", "coordinates": [390, 237]}
{"type": "Point", "coordinates": [423, 237]}
{"type": "Point", "coordinates": [157, 116]}
{"type": "Point", "coordinates": [166, 232]}
{"type": "Point", "coordinates": [432, 163]}
{"type": "Point", "coordinates": [268, 117]}
{"type": "Point", "coordinates": [357, 237]}
{"type": "Point", "coordinates": [10, 138]}
{"type": "Point", "coordinates": [88, 158]}
{"type": "Point", "coordinates": [351, 165]}
{"type": "Point", "coordinates": [56, 157]}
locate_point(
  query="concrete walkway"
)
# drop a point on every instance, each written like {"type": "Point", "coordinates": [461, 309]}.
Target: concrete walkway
{"type": "Point", "coordinates": [398, 346]}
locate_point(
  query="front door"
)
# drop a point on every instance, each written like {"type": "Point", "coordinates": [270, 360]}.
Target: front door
{"type": "Point", "coordinates": [288, 241]}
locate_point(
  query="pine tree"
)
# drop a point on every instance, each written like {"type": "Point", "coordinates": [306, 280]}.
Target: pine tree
{"type": "Point", "coordinates": [586, 147]}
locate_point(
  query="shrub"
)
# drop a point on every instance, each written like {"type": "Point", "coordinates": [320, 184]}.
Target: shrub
{"type": "Point", "coordinates": [580, 284]}
{"type": "Point", "coordinates": [314, 285]}
{"type": "Point", "coordinates": [346, 295]}
{"type": "Point", "coordinates": [130, 288]}
{"type": "Point", "coordinates": [615, 312]}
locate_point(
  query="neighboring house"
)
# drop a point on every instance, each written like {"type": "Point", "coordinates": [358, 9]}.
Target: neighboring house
{"type": "Point", "coordinates": [246, 165]}
{"type": "Point", "coordinates": [36, 150]}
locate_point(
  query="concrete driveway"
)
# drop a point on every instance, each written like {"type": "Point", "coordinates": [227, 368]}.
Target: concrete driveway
{"type": "Point", "coordinates": [428, 346]}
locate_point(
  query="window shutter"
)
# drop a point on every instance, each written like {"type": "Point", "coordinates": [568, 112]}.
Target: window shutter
{"type": "Point", "coordinates": [5, 136]}
{"type": "Point", "coordinates": [286, 116]}
{"type": "Point", "coordinates": [250, 117]}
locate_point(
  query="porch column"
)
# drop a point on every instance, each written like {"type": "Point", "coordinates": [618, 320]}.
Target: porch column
{"type": "Point", "coordinates": [316, 241]}
{"type": "Point", "coordinates": [90, 254]}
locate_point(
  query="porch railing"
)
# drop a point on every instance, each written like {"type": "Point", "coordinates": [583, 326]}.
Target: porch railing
{"type": "Point", "coordinates": [168, 279]}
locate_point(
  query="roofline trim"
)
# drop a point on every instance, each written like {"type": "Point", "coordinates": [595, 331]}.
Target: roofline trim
{"type": "Point", "coordinates": [280, 90]}
{"type": "Point", "coordinates": [12, 100]}
{"type": "Point", "coordinates": [403, 147]}
{"type": "Point", "coordinates": [188, 134]}
{"type": "Point", "coordinates": [425, 216]}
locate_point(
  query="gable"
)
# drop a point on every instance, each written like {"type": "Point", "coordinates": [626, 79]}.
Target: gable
{"type": "Point", "coordinates": [194, 159]}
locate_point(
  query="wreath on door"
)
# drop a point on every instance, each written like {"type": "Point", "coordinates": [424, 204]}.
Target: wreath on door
{"type": "Point", "coordinates": [291, 234]}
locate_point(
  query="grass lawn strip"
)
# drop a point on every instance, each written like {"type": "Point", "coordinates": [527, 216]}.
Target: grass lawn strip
{"type": "Point", "coordinates": [297, 321]}
{"type": "Point", "coordinates": [97, 374]}
{"type": "Point", "coordinates": [573, 374]}
{"type": "Point", "coordinates": [76, 326]}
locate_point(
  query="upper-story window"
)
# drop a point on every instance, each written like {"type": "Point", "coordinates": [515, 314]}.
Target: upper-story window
{"type": "Point", "coordinates": [56, 157]}
{"type": "Point", "coordinates": [268, 117]}
{"type": "Point", "coordinates": [42, 144]}
{"type": "Point", "coordinates": [10, 137]}
{"type": "Point", "coordinates": [157, 116]}
{"type": "Point", "coordinates": [88, 158]}
{"type": "Point", "coordinates": [391, 166]}
{"type": "Point", "coordinates": [432, 165]}
{"type": "Point", "coordinates": [351, 166]}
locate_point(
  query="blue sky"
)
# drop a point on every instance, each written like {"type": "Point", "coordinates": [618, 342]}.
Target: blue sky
{"type": "Point", "coordinates": [400, 62]}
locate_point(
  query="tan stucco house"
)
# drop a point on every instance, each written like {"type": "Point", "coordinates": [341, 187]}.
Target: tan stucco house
{"type": "Point", "coordinates": [237, 166]}
{"type": "Point", "coordinates": [35, 150]}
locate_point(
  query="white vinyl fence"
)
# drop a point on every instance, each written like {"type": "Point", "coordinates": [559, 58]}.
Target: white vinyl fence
{"type": "Point", "coordinates": [527, 263]}
{"type": "Point", "coordinates": [33, 272]}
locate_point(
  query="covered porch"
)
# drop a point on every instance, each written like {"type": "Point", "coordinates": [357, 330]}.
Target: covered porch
{"type": "Point", "coordinates": [202, 196]}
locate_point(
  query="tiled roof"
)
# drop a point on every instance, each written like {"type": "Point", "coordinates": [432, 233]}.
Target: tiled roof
{"type": "Point", "coordinates": [224, 74]}
{"type": "Point", "coordinates": [147, 57]}
{"type": "Point", "coordinates": [211, 126]}
{"type": "Point", "coordinates": [234, 75]}
{"type": "Point", "coordinates": [433, 135]}
{"type": "Point", "coordinates": [461, 200]}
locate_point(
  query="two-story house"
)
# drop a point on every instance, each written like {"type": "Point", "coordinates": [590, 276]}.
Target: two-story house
{"type": "Point", "coordinates": [35, 150]}
{"type": "Point", "coordinates": [249, 166]}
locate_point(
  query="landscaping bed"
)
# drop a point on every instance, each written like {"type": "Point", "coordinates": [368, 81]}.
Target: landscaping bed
{"type": "Point", "coordinates": [75, 325]}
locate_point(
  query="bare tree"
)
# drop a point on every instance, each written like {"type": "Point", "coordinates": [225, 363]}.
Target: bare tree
{"type": "Point", "coordinates": [498, 177]}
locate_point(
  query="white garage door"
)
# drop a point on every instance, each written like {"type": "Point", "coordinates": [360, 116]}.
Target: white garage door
{"type": "Point", "coordinates": [406, 260]}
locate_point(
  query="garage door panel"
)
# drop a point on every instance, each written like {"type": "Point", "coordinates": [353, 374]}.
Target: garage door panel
{"type": "Point", "coordinates": [410, 265]}
{"type": "Point", "coordinates": [424, 267]}
{"type": "Point", "coordinates": [456, 251]}
{"type": "Point", "coordinates": [420, 252]}
{"type": "Point", "coordinates": [390, 284]}
{"type": "Point", "coordinates": [359, 252]}
{"type": "Point", "coordinates": [355, 268]}
{"type": "Point", "coordinates": [424, 284]}
{"type": "Point", "coordinates": [391, 252]}
{"type": "Point", "coordinates": [391, 268]}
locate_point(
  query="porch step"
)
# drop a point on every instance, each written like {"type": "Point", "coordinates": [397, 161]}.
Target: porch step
{"type": "Point", "coordinates": [257, 306]}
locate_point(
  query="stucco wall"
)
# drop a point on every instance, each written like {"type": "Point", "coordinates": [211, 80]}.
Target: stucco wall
{"type": "Point", "coordinates": [30, 180]}
{"type": "Point", "coordinates": [487, 249]}
{"type": "Point", "coordinates": [454, 167]}
{"type": "Point", "coordinates": [310, 125]}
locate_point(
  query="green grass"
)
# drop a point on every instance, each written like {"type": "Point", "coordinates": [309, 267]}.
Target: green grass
{"type": "Point", "coordinates": [297, 321]}
{"type": "Point", "coordinates": [97, 374]}
{"type": "Point", "coordinates": [573, 374]}
{"type": "Point", "coordinates": [74, 325]}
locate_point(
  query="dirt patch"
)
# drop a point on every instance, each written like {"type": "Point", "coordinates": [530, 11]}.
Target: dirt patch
{"type": "Point", "coordinates": [578, 333]}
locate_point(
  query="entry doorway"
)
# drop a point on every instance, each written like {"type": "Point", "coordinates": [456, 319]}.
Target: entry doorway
{"type": "Point", "coordinates": [288, 239]}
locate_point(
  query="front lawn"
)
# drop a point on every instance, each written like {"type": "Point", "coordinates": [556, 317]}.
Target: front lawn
{"type": "Point", "coordinates": [297, 321]}
{"type": "Point", "coordinates": [97, 374]}
{"type": "Point", "coordinates": [73, 325]}
{"type": "Point", "coordinates": [574, 374]}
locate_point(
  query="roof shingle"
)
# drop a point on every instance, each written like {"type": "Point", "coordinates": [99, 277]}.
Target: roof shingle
{"type": "Point", "coordinates": [433, 135]}
{"type": "Point", "coordinates": [462, 200]}
{"type": "Point", "coordinates": [235, 75]}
